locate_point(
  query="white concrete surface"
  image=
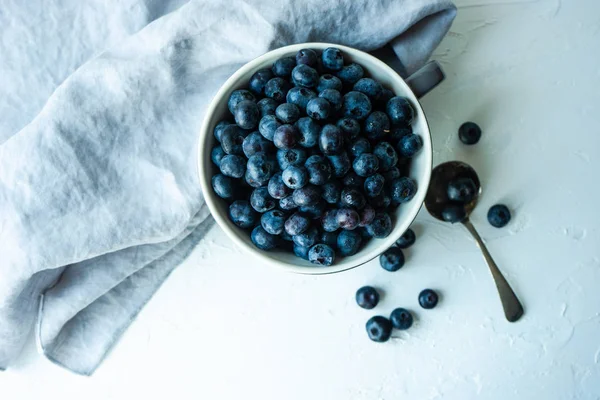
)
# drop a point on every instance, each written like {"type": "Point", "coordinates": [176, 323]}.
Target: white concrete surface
{"type": "Point", "coordinates": [224, 327]}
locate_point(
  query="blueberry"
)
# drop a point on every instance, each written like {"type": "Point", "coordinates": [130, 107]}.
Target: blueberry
{"type": "Point", "coordinates": [319, 170]}
{"type": "Point", "coordinates": [236, 97]}
{"type": "Point", "coordinates": [267, 126]}
{"type": "Point", "coordinates": [329, 238]}
{"type": "Point", "coordinates": [223, 186]}
{"type": "Point", "coordinates": [331, 192]}
{"type": "Point", "coordinates": [374, 185]}
{"type": "Point", "coordinates": [454, 212]}
{"type": "Point", "coordinates": [391, 174]}
{"type": "Point", "coordinates": [307, 57]}
{"type": "Point", "coordinates": [356, 105]}
{"type": "Point", "coordinates": [285, 137]}
{"type": "Point", "coordinates": [377, 125]}
{"type": "Point", "coordinates": [216, 155]}
{"type": "Point", "coordinates": [366, 164]}
{"type": "Point", "coordinates": [307, 196]}
{"type": "Point", "coordinates": [287, 203]}
{"type": "Point", "coordinates": [306, 239]}
{"type": "Point", "coordinates": [233, 166]}
{"type": "Point", "coordinates": [266, 106]}
{"type": "Point", "coordinates": [347, 218]}
{"type": "Point", "coordinates": [285, 158]}
{"type": "Point", "coordinates": [262, 239]}
{"type": "Point", "coordinates": [277, 89]}
{"type": "Point", "coordinates": [350, 74]}
{"type": "Point", "coordinates": [351, 179]}
{"type": "Point", "coordinates": [400, 111]}
{"type": "Point", "coordinates": [318, 108]}
{"type": "Point", "coordinates": [403, 189]}
{"type": "Point", "coordinates": [305, 76]}
{"type": "Point", "coordinates": [498, 215]}
{"type": "Point", "coordinates": [258, 80]}
{"type": "Point", "coordinates": [352, 197]}
{"type": "Point", "coordinates": [380, 201]}
{"type": "Point", "coordinates": [381, 226]}
{"type": "Point", "coordinates": [469, 133]}
{"type": "Point", "coordinates": [301, 252]}
{"type": "Point", "coordinates": [367, 215]}
{"type": "Point", "coordinates": [333, 59]}
{"type": "Point", "coordinates": [428, 299]}
{"type": "Point", "coordinates": [392, 259]}
{"type": "Point", "coordinates": [256, 143]}
{"type": "Point", "coordinates": [348, 243]}
{"type": "Point", "coordinates": [329, 221]}
{"type": "Point", "coordinates": [368, 86]}
{"type": "Point", "coordinates": [273, 221]}
{"type": "Point", "coordinates": [386, 155]}
{"type": "Point", "coordinates": [259, 169]}
{"type": "Point", "coordinates": [410, 145]}
{"type": "Point", "coordinates": [340, 163]}
{"type": "Point", "coordinates": [287, 113]}
{"type": "Point", "coordinates": [218, 131]}
{"type": "Point", "coordinates": [333, 97]}
{"type": "Point", "coordinates": [349, 127]}
{"type": "Point", "coordinates": [284, 66]}
{"type": "Point", "coordinates": [367, 297]}
{"type": "Point", "coordinates": [360, 146]}
{"type": "Point", "coordinates": [300, 97]}
{"type": "Point", "coordinates": [462, 190]}
{"type": "Point", "coordinates": [232, 139]}
{"type": "Point", "coordinates": [379, 329]}
{"type": "Point", "coordinates": [331, 140]}
{"type": "Point", "coordinates": [242, 214]}
{"type": "Point", "coordinates": [315, 210]}
{"type": "Point", "coordinates": [328, 81]}
{"type": "Point", "coordinates": [384, 97]}
{"type": "Point", "coordinates": [295, 177]}
{"type": "Point", "coordinates": [296, 224]}
{"type": "Point", "coordinates": [309, 132]}
{"type": "Point", "coordinates": [401, 319]}
{"type": "Point", "coordinates": [277, 189]}
{"type": "Point", "coordinates": [321, 254]}
{"type": "Point", "coordinates": [407, 239]}
{"type": "Point", "coordinates": [261, 201]}
{"type": "Point", "coordinates": [398, 132]}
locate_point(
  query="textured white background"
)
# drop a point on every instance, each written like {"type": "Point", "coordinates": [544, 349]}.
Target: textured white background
{"type": "Point", "coordinates": [224, 327]}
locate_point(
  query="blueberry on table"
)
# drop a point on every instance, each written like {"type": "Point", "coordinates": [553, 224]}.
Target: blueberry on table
{"type": "Point", "coordinates": [218, 131]}
{"type": "Point", "coordinates": [267, 126]}
{"type": "Point", "coordinates": [462, 190]}
{"type": "Point", "coordinates": [308, 195]}
{"type": "Point", "coordinates": [305, 76]}
{"type": "Point", "coordinates": [366, 164]}
{"type": "Point", "coordinates": [307, 57]}
{"type": "Point", "coordinates": [469, 133]}
{"type": "Point", "coordinates": [352, 198]}
{"type": "Point", "coordinates": [256, 143]}
{"type": "Point", "coordinates": [387, 156]}
{"type": "Point", "coordinates": [329, 221]}
{"type": "Point", "coordinates": [368, 86]}
{"type": "Point", "coordinates": [392, 259]}
{"type": "Point", "coordinates": [242, 214]}
{"type": "Point", "coordinates": [259, 169]}
{"type": "Point", "coordinates": [333, 59]}
{"type": "Point", "coordinates": [377, 125]}
{"type": "Point", "coordinates": [341, 164]}
{"type": "Point", "coordinates": [295, 177]}
{"type": "Point", "coordinates": [410, 145]}
{"type": "Point", "coordinates": [374, 185]}
{"type": "Point", "coordinates": [288, 157]}
{"type": "Point", "coordinates": [287, 113]}
{"type": "Point", "coordinates": [258, 80]}
{"type": "Point", "coordinates": [233, 166]}
{"type": "Point", "coordinates": [301, 252]}
{"type": "Point", "coordinates": [319, 169]}
{"type": "Point", "coordinates": [238, 96]}
{"type": "Point", "coordinates": [428, 299]}
{"type": "Point", "coordinates": [350, 128]}
{"type": "Point", "coordinates": [367, 215]}
{"type": "Point", "coordinates": [232, 139]}
{"type": "Point", "coordinates": [285, 137]}
{"type": "Point", "coordinates": [347, 218]}
{"type": "Point", "coordinates": [277, 188]}
{"type": "Point", "coordinates": [328, 81]}
{"type": "Point", "coordinates": [331, 140]}
{"type": "Point", "coordinates": [333, 97]}
{"type": "Point", "coordinates": [400, 111]}
{"type": "Point", "coordinates": [350, 74]}
{"type": "Point", "coordinates": [356, 105]}
{"type": "Point", "coordinates": [266, 106]}
{"type": "Point", "coordinates": [261, 201]}
{"type": "Point", "coordinates": [381, 226]}
{"type": "Point", "coordinates": [367, 297]}
{"type": "Point", "coordinates": [348, 242]}
{"type": "Point", "coordinates": [331, 191]}
{"type": "Point", "coordinates": [306, 239]}
{"type": "Point", "coordinates": [273, 221]}
{"type": "Point", "coordinates": [403, 189]}
{"type": "Point", "coordinates": [217, 154]}
{"type": "Point", "coordinates": [321, 254]}
{"type": "Point", "coordinates": [401, 318]}
{"type": "Point", "coordinates": [300, 96]}
{"type": "Point", "coordinates": [284, 66]}
{"type": "Point", "coordinates": [296, 224]}
{"type": "Point", "coordinates": [329, 238]}
{"type": "Point", "coordinates": [379, 328]}
{"type": "Point", "coordinates": [277, 89]}
{"type": "Point", "coordinates": [498, 215]}
{"type": "Point", "coordinates": [223, 186]}
{"type": "Point", "coordinates": [308, 131]}
{"type": "Point", "coordinates": [287, 203]}
{"type": "Point", "coordinates": [262, 239]}
{"type": "Point", "coordinates": [454, 212]}
{"type": "Point", "coordinates": [318, 108]}
{"type": "Point", "coordinates": [360, 146]}
{"type": "Point", "coordinates": [407, 239]}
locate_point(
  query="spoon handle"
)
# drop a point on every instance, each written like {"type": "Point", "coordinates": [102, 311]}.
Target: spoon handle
{"type": "Point", "coordinates": [513, 310]}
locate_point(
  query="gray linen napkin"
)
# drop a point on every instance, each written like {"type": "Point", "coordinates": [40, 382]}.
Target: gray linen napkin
{"type": "Point", "coordinates": [99, 197]}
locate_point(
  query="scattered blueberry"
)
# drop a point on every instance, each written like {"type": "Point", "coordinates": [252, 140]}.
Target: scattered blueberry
{"type": "Point", "coordinates": [321, 254]}
{"type": "Point", "coordinates": [333, 59]}
{"type": "Point", "coordinates": [238, 96]}
{"type": "Point", "coordinates": [284, 66]}
{"type": "Point", "coordinates": [400, 111]}
{"type": "Point", "coordinates": [381, 226]}
{"type": "Point", "coordinates": [305, 76]}
{"type": "Point", "coordinates": [367, 297]}
{"type": "Point", "coordinates": [462, 190]}
{"type": "Point", "coordinates": [454, 212]}
{"type": "Point", "coordinates": [242, 214]}
{"type": "Point", "coordinates": [273, 221]}
{"type": "Point", "coordinates": [498, 215]}
{"type": "Point", "coordinates": [407, 239]}
{"type": "Point", "coordinates": [401, 319]}
{"type": "Point", "coordinates": [410, 145]}
{"type": "Point", "coordinates": [258, 81]}
{"type": "Point", "coordinates": [262, 239]}
{"type": "Point", "coordinates": [392, 259]}
{"type": "Point", "coordinates": [307, 57]}
{"type": "Point", "coordinates": [318, 108]}
{"type": "Point", "coordinates": [428, 299]}
{"type": "Point", "coordinates": [287, 113]}
{"type": "Point", "coordinates": [379, 329]}
{"type": "Point", "coordinates": [469, 133]}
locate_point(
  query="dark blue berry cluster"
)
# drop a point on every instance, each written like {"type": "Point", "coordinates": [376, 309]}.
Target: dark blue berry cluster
{"type": "Point", "coordinates": [315, 156]}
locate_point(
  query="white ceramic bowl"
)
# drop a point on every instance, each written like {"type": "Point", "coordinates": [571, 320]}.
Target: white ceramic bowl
{"type": "Point", "coordinates": [420, 168]}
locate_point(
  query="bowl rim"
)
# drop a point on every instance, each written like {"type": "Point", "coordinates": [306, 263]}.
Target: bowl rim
{"type": "Point", "coordinates": [259, 62]}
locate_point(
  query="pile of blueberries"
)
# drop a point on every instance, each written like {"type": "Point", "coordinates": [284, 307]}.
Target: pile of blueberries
{"type": "Point", "coordinates": [316, 157]}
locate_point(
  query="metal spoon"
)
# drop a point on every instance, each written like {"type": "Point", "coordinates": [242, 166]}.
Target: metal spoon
{"type": "Point", "coordinates": [435, 202]}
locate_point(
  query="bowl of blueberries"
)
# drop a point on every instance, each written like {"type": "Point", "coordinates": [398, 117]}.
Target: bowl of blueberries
{"type": "Point", "coordinates": [315, 157]}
